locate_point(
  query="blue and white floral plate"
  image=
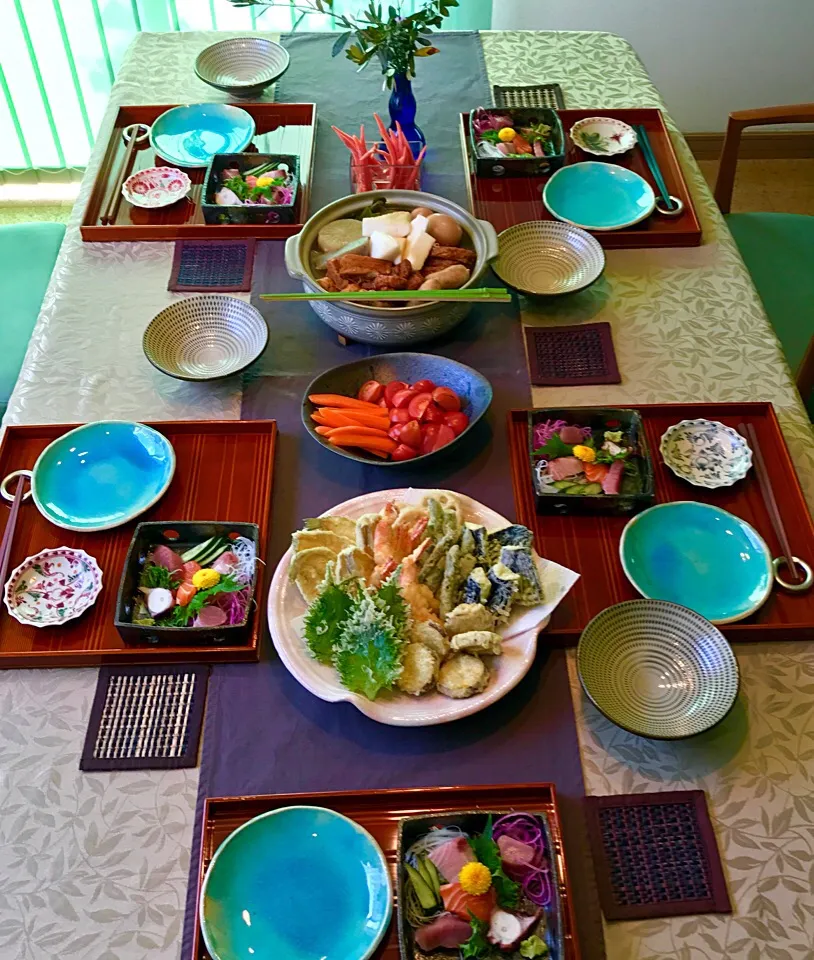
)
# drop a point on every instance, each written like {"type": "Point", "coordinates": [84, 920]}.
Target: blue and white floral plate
{"type": "Point", "coordinates": [706, 453]}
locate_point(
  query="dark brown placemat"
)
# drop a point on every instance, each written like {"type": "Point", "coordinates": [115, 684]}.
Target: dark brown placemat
{"type": "Point", "coordinates": [573, 356]}
{"type": "Point", "coordinates": [146, 718]}
{"type": "Point", "coordinates": [212, 266]}
{"type": "Point", "coordinates": [536, 95]}
{"type": "Point", "coordinates": [656, 855]}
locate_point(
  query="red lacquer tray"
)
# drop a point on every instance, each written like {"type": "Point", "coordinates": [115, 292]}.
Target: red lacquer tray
{"type": "Point", "coordinates": [590, 544]}
{"type": "Point", "coordinates": [380, 811]}
{"type": "Point", "coordinates": [223, 472]}
{"type": "Point", "coordinates": [281, 128]}
{"type": "Point", "coordinates": [505, 202]}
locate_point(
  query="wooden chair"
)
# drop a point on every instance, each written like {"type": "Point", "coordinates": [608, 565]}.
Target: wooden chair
{"type": "Point", "coordinates": [778, 249]}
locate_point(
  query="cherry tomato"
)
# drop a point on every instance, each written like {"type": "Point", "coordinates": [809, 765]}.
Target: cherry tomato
{"type": "Point", "coordinates": [399, 416]}
{"type": "Point", "coordinates": [402, 398]}
{"type": "Point", "coordinates": [395, 431]}
{"type": "Point", "coordinates": [458, 422]}
{"type": "Point", "coordinates": [433, 413]}
{"type": "Point", "coordinates": [444, 436]}
{"type": "Point", "coordinates": [418, 404]}
{"type": "Point", "coordinates": [403, 452]}
{"type": "Point", "coordinates": [384, 403]}
{"type": "Point", "coordinates": [429, 435]}
{"type": "Point", "coordinates": [392, 388]}
{"type": "Point", "coordinates": [424, 386]}
{"type": "Point", "coordinates": [410, 434]}
{"type": "Point", "coordinates": [446, 398]}
{"type": "Point", "coordinates": [371, 392]}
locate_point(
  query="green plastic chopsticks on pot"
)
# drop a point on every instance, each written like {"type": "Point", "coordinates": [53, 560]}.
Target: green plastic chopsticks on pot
{"type": "Point", "coordinates": [478, 295]}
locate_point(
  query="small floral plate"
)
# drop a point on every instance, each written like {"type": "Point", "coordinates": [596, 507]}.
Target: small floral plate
{"type": "Point", "coordinates": [156, 187]}
{"type": "Point", "coordinates": [52, 587]}
{"type": "Point", "coordinates": [706, 453]}
{"type": "Point", "coordinates": [603, 136]}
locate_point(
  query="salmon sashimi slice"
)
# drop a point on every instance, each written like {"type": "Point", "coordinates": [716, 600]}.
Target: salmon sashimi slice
{"type": "Point", "coordinates": [462, 904]}
{"type": "Point", "coordinates": [595, 472]}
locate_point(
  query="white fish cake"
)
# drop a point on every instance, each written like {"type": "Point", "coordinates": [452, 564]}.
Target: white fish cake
{"type": "Point", "coordinates": [419, 669]}
{"type": "Point", "coordinates": [479, 641]}
{"type": "Point", "coordinates": [463, 676]}
{"type": "Point", "coordinates": [469, 616]}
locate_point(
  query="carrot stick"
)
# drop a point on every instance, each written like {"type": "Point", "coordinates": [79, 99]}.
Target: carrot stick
{"type": "Point", "coordinates": [362, 417]}
{"type": "Point", "coordinates": [340, 432]}
{"type": "Point", "coordinates": [333, 418]}
{"type": "Point", "coordinates": [318, 418]}
{"type": "Point", "coordinates": [325, 431]}
{"type": "Point", "coordinates": [338, 400]}
{"type": "Point", "coordinates": [384, 444]}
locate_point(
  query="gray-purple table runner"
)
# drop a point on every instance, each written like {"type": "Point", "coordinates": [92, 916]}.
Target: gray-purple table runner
{"type": "Point", "coordinates": [263, 732]}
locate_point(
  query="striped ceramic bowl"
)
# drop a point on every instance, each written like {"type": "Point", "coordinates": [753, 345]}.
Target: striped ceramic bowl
{"type": "Point", "coordinates": [544, 258]}
{"type": "Point", "coordinates": [657, 669]}
{"type": "Point", "coordinates": [205, 338]}
{"type": "Point", "coordinates": [243, 66]}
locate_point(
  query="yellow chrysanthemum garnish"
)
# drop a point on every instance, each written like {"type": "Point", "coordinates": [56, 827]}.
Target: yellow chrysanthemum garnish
{"type": "Point", "coordinates": [204, 579]}
{"type": "Point", "coordinates": [586, 454]}
{"type": "Point", "coordinates": [475, 878]}
{"type": "Point", "coordinates": [506, 135]}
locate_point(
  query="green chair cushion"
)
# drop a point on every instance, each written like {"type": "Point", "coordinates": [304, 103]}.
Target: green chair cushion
{"type": "Point", "coordinates": [28, 252]}
{"type": "Point", "coordinates": [778, 249]}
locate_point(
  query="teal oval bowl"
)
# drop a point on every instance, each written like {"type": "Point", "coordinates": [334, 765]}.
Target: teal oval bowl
{"type": "Point", "coordinates": [191, 136]}
{"type": "Point", "coordinates": [299, 883]}
{"type": "Point", "coordinates": [102, 474]}
{"type": "Point", "coordinates": [698, 556]}
{"type": "Point", "coordinates": [598, 196]}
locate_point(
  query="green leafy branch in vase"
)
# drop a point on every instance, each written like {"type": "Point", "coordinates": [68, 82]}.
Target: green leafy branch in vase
{"type": "Point", "coordinates": [396, 40]}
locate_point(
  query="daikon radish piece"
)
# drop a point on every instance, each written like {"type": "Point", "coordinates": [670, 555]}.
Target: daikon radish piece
{"type": "Point", "coordinates": [397, 224]}
{"type": "Point", "coordinates": [383, 246]}
{"type": "Point", "coordinates": [418, 249]}
{"type": "Point", "coordinates": [333, 236]}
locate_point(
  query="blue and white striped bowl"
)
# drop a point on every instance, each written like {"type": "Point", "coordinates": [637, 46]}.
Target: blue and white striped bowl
{"type": "Point", "coordinates": [242, 66]}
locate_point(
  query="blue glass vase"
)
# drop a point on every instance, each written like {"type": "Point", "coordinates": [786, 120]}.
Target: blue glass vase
{"type": "Point", "coordinates": [403, 109]}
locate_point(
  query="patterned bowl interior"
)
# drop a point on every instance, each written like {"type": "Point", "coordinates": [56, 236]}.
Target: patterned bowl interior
{"type": "Point", "coordinates": [205, 338]}
{"type": "Point", "coordinates": [657, 669]}
{"type": "Point", "coordinates": [547, 258]}
{"type": "Point", "coordinates": [244, 62]}
{"type": "Point", "coordinates": [156, 187]}
{"type": "Point", "coordinates": [706, 453]}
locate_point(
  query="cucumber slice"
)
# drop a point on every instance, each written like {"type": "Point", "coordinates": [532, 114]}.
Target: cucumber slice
{"type": "Point", "coordinates": [434, 875]}
{"type": "Point", "coordinates": [575, 488]}
{"type": "Point", "coordinates": [421, 865]}
{"type": "Point", "coordinates": [592, 489]}
{"type": "Point", "coordinates": [561, 484]}
{"type": "Point", "coordinates": [206, 552]}
{"type": "Point", "coordinates": [426, 896]}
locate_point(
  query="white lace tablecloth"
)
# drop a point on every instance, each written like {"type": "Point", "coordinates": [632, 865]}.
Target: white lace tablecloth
{"type": "Point", "coordinates": [94, 867]}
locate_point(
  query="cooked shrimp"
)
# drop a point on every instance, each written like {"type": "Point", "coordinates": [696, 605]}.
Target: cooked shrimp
{"type": "Point", "coordinates": [393, 539]}
{"type": "Point", "coordinates": [421, 599]}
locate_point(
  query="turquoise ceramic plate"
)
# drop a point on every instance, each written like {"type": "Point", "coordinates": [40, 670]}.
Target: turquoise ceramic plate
{"type": "Point", "coordinates": [598, 196]}
{"type": "Point", "coordinates": [102, 474]}
{"type": "Point", "coordinates": [698, 556]}
{"type": "Point", "coordinates": [191, 136]}
{"type": "Point", "coordinates": [299, 883]}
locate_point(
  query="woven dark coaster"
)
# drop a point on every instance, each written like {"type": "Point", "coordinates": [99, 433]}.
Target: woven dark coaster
{"type": "Point", "coordinates": [146, 718]}
{"type": "Point", "coordinates": [655, 855]}
{"type": "Point", "coordinates": [214, 266]}
{"type": "Point", "coordinates": [572, 356]}
{"type": "Point", "coordinates": [538, 95]}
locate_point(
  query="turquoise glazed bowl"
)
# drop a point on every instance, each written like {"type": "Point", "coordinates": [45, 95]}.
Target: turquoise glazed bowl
{"type": "Point", "coordinates": [191, 136]}
{"type": "Point", "coordinates": [102, 474]}
{"type": "Point", "coordinates": [598, 196]}
{"type": "Point", "coordinates": [700, 557]}
{"type": "Point", "coordinates": [299, 883]}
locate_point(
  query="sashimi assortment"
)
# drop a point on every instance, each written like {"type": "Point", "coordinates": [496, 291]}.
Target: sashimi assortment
{"type": "Point", "coordinates": [208, 585]}
{"type": "Point", "coordinates": [481, 895]}
{"type": "Point", "coordinates": [574, 459]}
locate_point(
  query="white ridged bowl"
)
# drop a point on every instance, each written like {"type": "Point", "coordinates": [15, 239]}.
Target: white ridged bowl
{"type": "Point", "coordinates": [242, 66]}
{"type": "Point", "coordinates": [657, 669]}
{"type": "Point", "coordinates": [544, 258]}
{"type": "Point", "coordinates": [205, 338]}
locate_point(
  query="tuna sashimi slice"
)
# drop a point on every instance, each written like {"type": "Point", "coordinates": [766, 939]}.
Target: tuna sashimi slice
{"type": "Point", "coordinates": [515, 855]}
{"type": "Point", "coordinates": [445, 931]}
{"type": "Point", "coordinates": [613, 481]}
{"type": "Point", "coordinates": [449, 857]}
{"type": "Point", "coordinates": [210, 616]}
{"type": "Point", "coordinates": [564, 467]}
{"type": "Point", "coordinates": [165, 557]}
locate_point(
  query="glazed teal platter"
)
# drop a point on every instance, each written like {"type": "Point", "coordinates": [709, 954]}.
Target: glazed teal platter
{"type": "Point", "coordinates": [700, 557]}
{"type": "Point", "coordinates": [299, 883]}
{"type": "Point", "coordinates": [598, 196]}
{"type": "Point", "coordinates": [191, 136]}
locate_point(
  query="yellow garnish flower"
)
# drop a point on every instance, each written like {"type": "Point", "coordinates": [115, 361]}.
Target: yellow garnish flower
{"type": "Point", "coordinates": [586, 454]}
{"type": "Point", "coordinates": [506, 135]}
{"type": "Point", "coordinates": [264, 181]}
{"type": "Point", "coordinates": [475, 878]}
{"type": "Point", "coordinates": [204, 579]}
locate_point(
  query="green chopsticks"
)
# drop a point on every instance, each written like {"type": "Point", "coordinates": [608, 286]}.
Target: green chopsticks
{"type": "Point", "coordinates": [650, 158]}
{"type": "Point", "coordinates": [476, 295]}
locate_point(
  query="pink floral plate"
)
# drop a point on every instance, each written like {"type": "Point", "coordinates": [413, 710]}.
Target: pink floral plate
{"type": "Point", "coordinates": [156, 187]}
{"type": "Point", "coordinates": [52, 587]}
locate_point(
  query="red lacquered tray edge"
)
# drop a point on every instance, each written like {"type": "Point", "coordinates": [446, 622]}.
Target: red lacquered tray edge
{"type": "Point", "coordinates": [398, 804]}
{"type": "Point", "coordinates": [633, 237]}
{"type": "Point", "coordinates": [803, 525]}
{"type": "Point", "coordinates": [249, 652]}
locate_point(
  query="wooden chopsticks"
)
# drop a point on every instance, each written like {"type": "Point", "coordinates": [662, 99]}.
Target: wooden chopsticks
{"type": "Point", "coordinates": [8, 533]}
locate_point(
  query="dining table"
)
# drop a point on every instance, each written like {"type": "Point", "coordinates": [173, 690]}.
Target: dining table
{"type": "Point", "coordinates": [95, 866]}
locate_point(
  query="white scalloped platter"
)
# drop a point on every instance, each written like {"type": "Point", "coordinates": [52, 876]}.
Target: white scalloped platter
{"type": "Point", "coordinates": [286, 607]}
